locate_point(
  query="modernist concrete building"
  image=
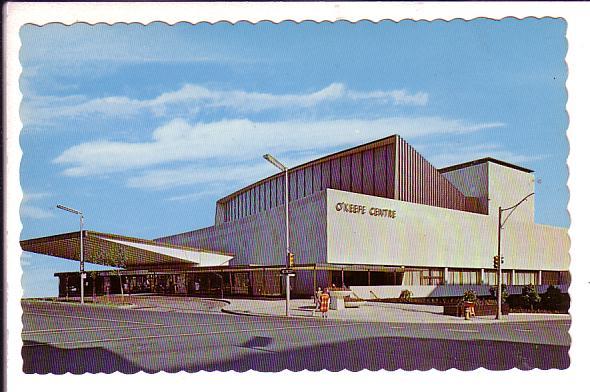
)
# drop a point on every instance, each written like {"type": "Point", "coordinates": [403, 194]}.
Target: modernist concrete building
{"type": "Point", "coordinates": [378, 218]}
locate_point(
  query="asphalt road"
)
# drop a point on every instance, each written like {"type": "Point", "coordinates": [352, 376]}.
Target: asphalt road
{"type": "Point", "coordinates": [60, 338]}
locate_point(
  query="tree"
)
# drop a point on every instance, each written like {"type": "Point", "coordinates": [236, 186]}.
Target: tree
{"type": "Point", "coordinates": [530, 295]}
{"type": "Point", "coordinates": [469, 296]}
{"type": "Point", "coordinates": [553, 299]}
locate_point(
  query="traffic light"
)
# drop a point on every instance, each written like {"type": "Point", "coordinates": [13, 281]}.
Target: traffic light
{"type": "Point", "coordinates": [291, 258]}
{"type": "Point", "coordinates": [497, 261]}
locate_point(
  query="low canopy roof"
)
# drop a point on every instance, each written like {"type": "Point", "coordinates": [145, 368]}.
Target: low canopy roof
{"type": "Point", "coordinates": [120, 251]}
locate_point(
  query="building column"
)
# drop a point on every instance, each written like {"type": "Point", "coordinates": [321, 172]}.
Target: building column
{"type": "Point", "coordinates": [368, 277]}
{"type": "Point", "coordinates": [540, 278]}
{"type": "Point", "coordinates": [513, 277]}
{"type": "Point", "coordinates": [481, 277]}
{"type": "Point", "coordinates": [446, 275]}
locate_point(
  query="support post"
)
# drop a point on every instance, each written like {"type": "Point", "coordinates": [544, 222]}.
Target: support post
{"type": "Point", "coordinates": [287, 278]}
{"type": "Point", "coordinates": [499, 288]}
{"type": "Point", "coordinates": [81, 259]}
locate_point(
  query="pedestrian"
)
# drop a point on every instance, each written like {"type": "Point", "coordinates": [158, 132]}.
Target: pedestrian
{"type": "Point", "coordinates": [316, 300]}
{"type": "Point", "coordinates": [324, 303]}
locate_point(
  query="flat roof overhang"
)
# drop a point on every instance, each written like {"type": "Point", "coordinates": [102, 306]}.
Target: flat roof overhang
{"type": "Point", "coordinates": [252, 268]}
{"type": "Point", "coordinates": [121, 251]}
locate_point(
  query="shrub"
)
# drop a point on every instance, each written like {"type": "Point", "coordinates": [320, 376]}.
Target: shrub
{"type": "Point", "coordinates": [469, 296]}
{"type": "Point", "coordinates": [530, 295]}
{"type": "Point", "coordinates": [406, 295]}
{"type": "Point", "coordinates": [504, 293]}
{"type": "Point", "coordinates": [554, 299]}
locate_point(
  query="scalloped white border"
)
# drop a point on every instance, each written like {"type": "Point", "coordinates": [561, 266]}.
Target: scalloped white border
{"type": "Point", "coordinates": [577, 16]}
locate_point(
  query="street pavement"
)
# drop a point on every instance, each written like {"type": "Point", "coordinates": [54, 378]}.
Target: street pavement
{"type": "Point", "coordinates": [60, 338]}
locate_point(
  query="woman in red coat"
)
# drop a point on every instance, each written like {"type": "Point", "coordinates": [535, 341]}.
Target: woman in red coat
{"type": "Point", "coordinates": [324, 303]}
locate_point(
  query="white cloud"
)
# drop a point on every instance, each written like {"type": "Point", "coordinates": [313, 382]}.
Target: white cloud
{"type": "Point", "coordinates": [232, 141]}
{"type": "Point", "coordinates": [399, 97]}
{"type": "Point", "coordinates": [218, 192]}
{"type": "Point", "coordinates": [464, 153]}
{"type": "Point", "coordinates": [27, 196]}
{"type": "Point", "coordinates": [33, 212]}
{"type": "Point", "coordinates": [29, 211]}
{"type": "Point", "coordinates": [193, 98]}
{"type": "Point", "coordinates": [167, 178]}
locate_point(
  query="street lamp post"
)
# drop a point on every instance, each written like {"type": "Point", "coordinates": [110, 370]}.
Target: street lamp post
{"type": "Point", "coordinates": [499, 256]}
{"type": "Point", "coordinates": [284, 169]}
{"type": "Point", "coordinates": [79, 213]}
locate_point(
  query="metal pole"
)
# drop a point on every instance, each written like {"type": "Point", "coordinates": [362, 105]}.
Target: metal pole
{"type": "Point", "coordinates": [81, 259]}
{"type": "Point", "coordinates": [500, 225]}
{"type": "Point", "coordinates": [287, 278]}
{"type": "Point", "coordinates": [499, 290]}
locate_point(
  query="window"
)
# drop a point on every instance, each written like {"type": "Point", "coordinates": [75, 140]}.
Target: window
{"type": "Point", "coordinates": [525, 277]}
{"type": "Point", "coordinates": [464, 276]}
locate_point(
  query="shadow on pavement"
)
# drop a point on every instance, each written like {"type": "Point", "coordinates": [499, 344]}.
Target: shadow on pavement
{"type": "Point", "coordinates": [258, 353]}
{"type": "Point", "coordinates": [43, 358]}
{"type": "Point", "coordinates": [401, 353]}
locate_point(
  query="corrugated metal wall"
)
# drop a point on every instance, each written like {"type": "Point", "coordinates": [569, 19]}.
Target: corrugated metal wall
{"type": "Point", "coordinates": [369, 169]}
{"type": "Point", "coordinates": [421, 183]}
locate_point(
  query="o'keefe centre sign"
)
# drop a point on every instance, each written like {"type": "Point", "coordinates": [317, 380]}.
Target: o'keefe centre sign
{"type": "Point", "coordinates": [361, 209]}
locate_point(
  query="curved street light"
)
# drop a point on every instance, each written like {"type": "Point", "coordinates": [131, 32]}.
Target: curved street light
{"type": "Point", "coordinates": [499, 256]}
{"type": "Point", "coordinates": [81, 215]}
{"type": "Point", "coordinates": [284, 169]}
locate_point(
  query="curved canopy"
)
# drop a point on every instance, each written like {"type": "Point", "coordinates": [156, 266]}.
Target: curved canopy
{"type": "Point", "coordinates": [126, 252]}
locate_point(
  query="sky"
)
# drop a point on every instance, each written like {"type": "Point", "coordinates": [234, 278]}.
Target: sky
{"type": "Point", "coordinates": [144, 128]}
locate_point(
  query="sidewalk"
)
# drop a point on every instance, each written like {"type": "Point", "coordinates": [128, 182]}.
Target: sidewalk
{"type": "Point", "coordinates": [373, 312]}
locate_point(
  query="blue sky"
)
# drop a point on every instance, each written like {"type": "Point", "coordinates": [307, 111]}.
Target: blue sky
{"type": "Point", "coordinates": [144, 127]}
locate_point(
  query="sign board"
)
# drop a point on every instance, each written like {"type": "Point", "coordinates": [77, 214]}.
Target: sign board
{"type": "Point", "coordinates": [362, 210]}
{"type": "Point", "coordinates": [287, 271]}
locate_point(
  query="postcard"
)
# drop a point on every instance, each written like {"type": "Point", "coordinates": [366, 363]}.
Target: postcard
{"type": "Point", "coordinates": [303, 196]}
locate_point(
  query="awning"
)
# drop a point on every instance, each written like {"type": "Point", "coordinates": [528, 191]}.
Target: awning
{"type": "Point", "coordinates": [120, 251]}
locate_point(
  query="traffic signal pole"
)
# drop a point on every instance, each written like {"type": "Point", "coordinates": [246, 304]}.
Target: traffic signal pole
{"type": "Point", "coordinates": [499, 269]}
{"type": "Point", "coordinates": [287, 277]}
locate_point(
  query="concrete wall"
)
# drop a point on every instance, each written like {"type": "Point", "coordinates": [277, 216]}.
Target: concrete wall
{"type": "Point", "coordinates": [472, 181]}
{"type": "Point", "coordinates": [507, 187]}
{"type": "Point", "coordinates": [425, 236]}
{"type": "Point", "coordinates": [260, 239]}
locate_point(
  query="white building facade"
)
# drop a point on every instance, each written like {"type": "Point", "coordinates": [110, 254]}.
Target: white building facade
{"type": "Point", "coordinates": [379, 218]}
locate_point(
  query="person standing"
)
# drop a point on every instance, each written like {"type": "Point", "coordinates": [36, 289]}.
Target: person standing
{"type": "Point", "coordinates": [324, 303]}
{"type": "Point", "coordinates": [316, 298]}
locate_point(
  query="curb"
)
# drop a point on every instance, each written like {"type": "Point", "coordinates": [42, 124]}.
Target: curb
{"type": "Point", "coordinates": [88, 304]}
{"type": "Point", "coordinates": [244, 313]}
{"type": "Point", "coordinates": [275, 316]}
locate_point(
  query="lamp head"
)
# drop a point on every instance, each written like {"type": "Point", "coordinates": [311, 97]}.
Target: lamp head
{"type": "Point", "coordinates": [275, 162]}
{"type": "Point", "coordinates": [68, 209]}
